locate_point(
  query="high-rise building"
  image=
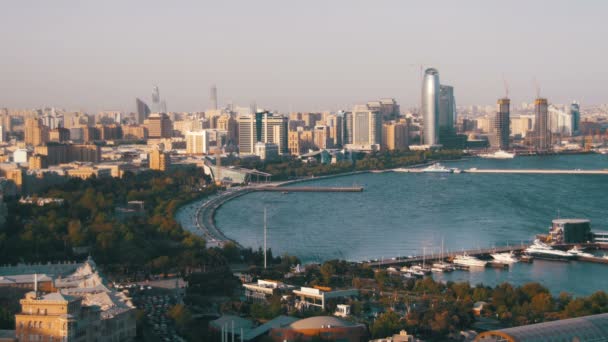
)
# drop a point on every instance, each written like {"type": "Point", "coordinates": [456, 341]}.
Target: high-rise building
{"type": "Point", "coordinates": [542, 134]}
{"type": "Point", "coordinates": [213, 97]}
{"type": "Point", "coordinates": [59, 134]}
{"type": "Point", "coordinates": [159, 126]}
{"type": "Point", "coordinates": [502, 125]}
{"type": "Point", "coordinates": [447, 108]}
{"type": "Point", "coordinates": [197, 142]}
{"type": "Point", "coordinates": [156, 105]}
{"type": "Point", "coordinates": [348, 128]}
{"type": "Point", "coordinates": [395, 135]}
{"type": "Point", "coordinates": [300, 141]}
{"type": "Point", "coordinates": [159, 159]}
{"type": "Point", "coordinates": [321, 137]}
{"type": "Point", "coordinates": [227, 123]}
{"type": "Point", "coordinates": [336, 128]}
{"type": "Point", "coordinates": [142, 111]}
{"type": "Point", "coordinates": [387, 107]}
{"type": "Point", "coordinates": [35, 133]}
{"type": "Point", "coordinates": [366, 126]}
{"type": "Point", "coordinates": [430, 107]}
{"type": "Point", "coordinates": [264, 127]}
{"type": "Point", "coordinates": [575, 111]}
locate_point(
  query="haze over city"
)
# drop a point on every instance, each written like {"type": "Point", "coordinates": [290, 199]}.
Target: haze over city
{"type": "Point", "coordinates": [313, 55]}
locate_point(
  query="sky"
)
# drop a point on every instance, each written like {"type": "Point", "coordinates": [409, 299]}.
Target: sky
{"type": "Point", "coordinates": [297, 55]}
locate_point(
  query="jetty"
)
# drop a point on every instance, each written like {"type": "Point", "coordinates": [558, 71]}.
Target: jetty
{"type": "Point", "coordinates": [308, 189]}
{"type": "Point", "coordinates": [516, 171]}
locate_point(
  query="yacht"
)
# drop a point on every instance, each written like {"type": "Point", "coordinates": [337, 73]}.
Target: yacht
{"type": "Point", "coordinates": [605, 256]}
{"type": "Point", "coordinates": [421, 269]}
{"type": "Point", "coordinates": [543, 251]}
{"type": "Point", "coordinates": [580, 253]}
{"type": "Point", "coordinates": [500, 154]}
{"type": "Point", "coordinates": [440, 267]}
{"type": "Point", "coordinates": [505, 258]}
{"type": "Point", "coordinates": [437, 168]}
{"type": "Point", "coordinates": [467, 260]}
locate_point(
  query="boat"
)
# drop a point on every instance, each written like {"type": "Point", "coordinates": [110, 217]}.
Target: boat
{"type": "Point", "coordinates": [420, 269]}
{"type": "Point", "coordinates": [544, 251]}
{"type": "Point", "coordinates": [404, 269]}
{"type": "Point", "coordinates": [580, 253]}
{"type": "Point", "coordinates": [441, 267]}
{"type": "Point", "coordinates": [605, 256]}
{"type": "Point", "coordinates": [470, 261]}
{"type": "Point", "coordinates": [505, 258]}
{"type": "Point", "coordinates": [437, 168]}
{"type": "Point", "coordinates": [456, 170]}
{"type": "Point", "coordinates": [500, 154]}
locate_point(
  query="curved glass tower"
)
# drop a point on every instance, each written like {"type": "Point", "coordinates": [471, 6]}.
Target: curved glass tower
{"type": "Point", "coordinates": [430, 106]}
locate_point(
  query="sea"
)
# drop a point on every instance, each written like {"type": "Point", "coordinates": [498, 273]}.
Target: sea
{"type": "Point", "coordinates": [404, 214]}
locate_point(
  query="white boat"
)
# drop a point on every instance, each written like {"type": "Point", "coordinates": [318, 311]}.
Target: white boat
{"type": "Point", "coordinates": [605, 256]}
{"type": "Point", "coordinates": [505, 258]}
{"type": "Point", "coordinates": [543, 251]}
{"type": "Point", "coordinates": [420, 269]}
{"type": "Point", "coordinates": [467, 260]}
{"type": "Point", "coordinates": [437, 168]}
{"type": "Point", "coordinates": [404, 269]}
{"type": "Point", "coordinates": [440, 267]}
{"type": "Point", "coordinates": [500, 154]}
{"type": "Point", "coordinates": [456, 170]}
{"type": "Point", "coordinates": [580, 253]}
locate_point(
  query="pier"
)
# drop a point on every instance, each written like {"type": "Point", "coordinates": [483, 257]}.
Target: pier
{"type": "Point", "coordinates": [438, 257]}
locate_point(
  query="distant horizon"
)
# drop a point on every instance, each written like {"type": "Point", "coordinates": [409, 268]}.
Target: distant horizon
{"type": "Point", "coordinates": [297, 57]}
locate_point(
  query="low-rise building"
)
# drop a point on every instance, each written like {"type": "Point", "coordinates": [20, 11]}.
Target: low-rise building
{"type": "Point", "coordinates": [318, 296]}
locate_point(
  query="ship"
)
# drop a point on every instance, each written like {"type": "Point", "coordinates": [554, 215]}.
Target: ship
{"type": "Point", "coordinates": [500, 154]}
{"type": "Point", "coordinates": [441, 267]}
{"type": "Point", "coordinates": [580, 253]}
{"type": "Point", "coordinates": [470, 261]}
{"type": "Point", "coordinates": [437, 168]}
{"type": "Point", "coordinates": [505, 258]}
{"type": "Point", "coordinates": [542, 251]}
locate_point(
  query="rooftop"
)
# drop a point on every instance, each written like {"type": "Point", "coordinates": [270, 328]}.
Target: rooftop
{"type": "Point", "coordinates": [320, 322]}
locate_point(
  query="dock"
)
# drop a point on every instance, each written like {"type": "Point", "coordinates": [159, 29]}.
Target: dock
{"type": "Point", "coordinates": [309, 189]}
{"type": "Point", "coordinates": [438, 257]}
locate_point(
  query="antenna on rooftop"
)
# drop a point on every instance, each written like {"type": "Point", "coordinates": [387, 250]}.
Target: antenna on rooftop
{"type": "Point", "coordinates": [504, 80]}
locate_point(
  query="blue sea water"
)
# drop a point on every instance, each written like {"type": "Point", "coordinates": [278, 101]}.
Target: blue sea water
{"type": "Point", "coordinates": [401, 214]}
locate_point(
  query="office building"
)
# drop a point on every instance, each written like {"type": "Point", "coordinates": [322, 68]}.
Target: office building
{"type": "Point", "coordinates": [430, 107]}
{"type": "Point", "coordinates": [134, 132]}
{"type": "Point", "coordinates": [59, 134]}
{"type": "Point", "coordinates": [142, 111]}
{"type": "Point", "coordinates": [264, 127]}
{"type": "Point", "coordinates": [267, 151]}
{"type": "Point", "coordinates": [542, 134]}
{"type": "Point", "coordinates": [395, 135]}
{"type": "Point", "coordinates": [35, 132]}
{"type": "Point", "coordinates": [37, 162]}
{"type": "Point", "coordinates": [387, 107]}
{"type": "Point", "coordinates": [575, 112]}
{"type": "Point", "coordinates": [227, 123]}
{"type": "Point", "coordinates": [213, 97]}
{"type": "Point", "coordinates": [347, 132]}
{"type": "Point", "coordinates": [366, 127]}
{"type": "Point", "coordinates": [336, 129]}
{"type": "Point", "coordinates": [501, 125]}
{"type": "Point", "coordinates": [321, 137]}
{"type": "Point", "coordinates": [300, 141]}
{"type": "Point", "coordinates": [159, 126]}
{"type": "Point", "coordinates": [159, 159]}
{"type": "Point", "coordinates": [197, 142]}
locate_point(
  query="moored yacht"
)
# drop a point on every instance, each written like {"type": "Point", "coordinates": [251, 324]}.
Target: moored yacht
{"type": "Point", "coordinates": [543, 251]}
{"type": "Point", "coordinates": [442, 267]}
{"type": "Point", "coordinates": [470, 261]}
{"type": "Point", "coordinates": [437, 168]}
{"type": "Point", "coordinates": [500, 154]}
{"type": "Point", "coordinates": [505, 258]}
{"type": "Point", "coordinates": [580, 253]}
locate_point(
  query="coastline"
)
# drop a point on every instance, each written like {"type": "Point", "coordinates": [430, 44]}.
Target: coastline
{"type": "Point", "coordinates": [203, 223]}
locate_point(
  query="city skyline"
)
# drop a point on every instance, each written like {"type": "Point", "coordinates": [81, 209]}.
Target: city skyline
{"type": "Point", "coordinates": [296, 57]}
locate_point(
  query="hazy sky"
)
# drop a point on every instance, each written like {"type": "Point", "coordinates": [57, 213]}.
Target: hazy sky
{"type": "Point", "coordinates": [297, 55]}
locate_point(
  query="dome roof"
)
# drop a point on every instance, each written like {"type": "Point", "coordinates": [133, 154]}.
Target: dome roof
{"type": "Point", "coordinates": [320, 322]}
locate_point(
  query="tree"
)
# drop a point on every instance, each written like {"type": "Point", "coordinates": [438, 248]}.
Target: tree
{"type": "Point", "coordinates": [386, 324]}
{"type": "Point", "coordinates": [327, 272]}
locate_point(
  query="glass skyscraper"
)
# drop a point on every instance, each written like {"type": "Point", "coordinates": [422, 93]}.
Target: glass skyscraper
{"type": "Point", "coordinates": [430, 107]}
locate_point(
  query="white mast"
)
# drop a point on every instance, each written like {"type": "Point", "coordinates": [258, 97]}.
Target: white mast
{"type": "Point", "coordinates": [265, 228]}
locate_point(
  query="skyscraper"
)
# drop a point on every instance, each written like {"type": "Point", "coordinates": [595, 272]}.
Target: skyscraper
{"type": "Point", "coordinates": [447, 115]}
{"type": "Point", "coordinates": [366, 126]}
{"type": "Point", "coordinates": [143, 111]}
{"type": "Point", "coordinates": [430, 106]}
{"type": "Point", "coordinates": [575, 111]}
{"type": "Point", "coordinates": [213, 97]}
{"type": "Point", "coordinates": [156, 100]}
{"type": "Point", "coordinates": [501, 127]}
{"type": "Point", "coordinates": [262, 127]}
{"type": "Point", "coordinates": [542, 134]}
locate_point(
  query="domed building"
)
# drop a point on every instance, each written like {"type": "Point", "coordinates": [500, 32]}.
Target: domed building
{"type": "Point", "coordinates": [326, 327]}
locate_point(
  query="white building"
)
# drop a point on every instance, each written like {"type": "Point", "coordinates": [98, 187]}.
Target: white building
{"type": "Point", "coordinates": [197, 142]}
{"type": "Point", "coordinates": [20, 156]}
{"type": "Point", "coordinates": [267, 151]}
